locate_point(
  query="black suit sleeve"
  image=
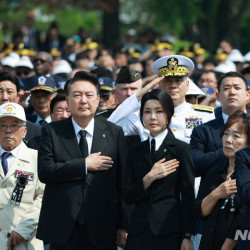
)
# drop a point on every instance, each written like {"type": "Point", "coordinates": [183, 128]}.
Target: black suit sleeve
{"type": "Point", "coordinates": [202, 159]}
{"type": "Point", "coordinates": [133, 190]}
{"type": "Point", "coordinates": [242, 171]}
{"type": "Point", "coordinates": [187, 188]}
{"type": "Point", "coordinates": [51, 171]}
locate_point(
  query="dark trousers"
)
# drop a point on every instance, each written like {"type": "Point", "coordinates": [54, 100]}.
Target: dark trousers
{"type": "Point", "coordinates": [148, 241]}
{"type": "Point", "coordinates": [79, 240]}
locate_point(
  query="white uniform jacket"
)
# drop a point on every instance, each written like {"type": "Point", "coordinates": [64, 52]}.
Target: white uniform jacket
{"type": "Point", "coordinates": [23, 219]}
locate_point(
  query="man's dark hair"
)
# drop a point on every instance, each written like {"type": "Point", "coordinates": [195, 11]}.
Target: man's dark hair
{"type": "Point", "coordinates": [101, 72]}
{"type": "Point", "coordinates": [84, 76]}
{"type": "Point", "coordinates": [217, 74]}
{"type": "Point", "coordinates": [231, 74]}
{"type": "Point", "coordinates": [245, 70]}
{"type": "Point", "coordinates": [164, 98]}
{"type": "Point", "coordinates": [82, 55]}
{"type": "Point", "coordinates": [55, 100]}
{"type": "Point", "coordinates": [6, 76]}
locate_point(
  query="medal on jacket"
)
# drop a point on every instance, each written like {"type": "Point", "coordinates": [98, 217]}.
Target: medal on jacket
{"type": "Point", "coordinates": [16, 196]}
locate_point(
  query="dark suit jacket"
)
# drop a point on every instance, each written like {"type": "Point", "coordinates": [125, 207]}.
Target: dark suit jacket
{"type": "Point", "coordinates": [160, 205]}
{"type": "Point", "coordinates": [206, 145]}
{"type": "Point", "coordinates": [62, 168]}
{"type": "Point", "coordinates": [33, 130]}
{"type": "Point", "coordinates": [242, 171]}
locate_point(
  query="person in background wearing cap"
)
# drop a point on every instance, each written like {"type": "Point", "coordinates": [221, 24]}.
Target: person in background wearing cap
{"type": "Point", "coordinates": [43, 63]}
{"type": "Point", "coordinates": [193, 93]}
{"type": "Point", "coordinates": [128, 82]}
{"type": "Point", "coordinates": [108, 101]}
{"type": "Point", "coordinates": [42, 92]}
{"type": "Point", "coordinates": [21, 191]}
{"type": "Point", "coordinates": [24, 68]}
{"type": "Point", "coordinates": [9, 92]}
{"type": "Point", "coordinates": [9, 62]}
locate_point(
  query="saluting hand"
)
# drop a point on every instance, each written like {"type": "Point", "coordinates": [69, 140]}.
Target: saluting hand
{"type": "Point", "coordinates": [226, 189]}
{"type": "Point", "coordinates": [98, 162]}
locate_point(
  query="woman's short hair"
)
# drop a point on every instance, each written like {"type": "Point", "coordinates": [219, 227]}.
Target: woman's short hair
{"type": "Point", "coordinates": [244, 123]}
{"type": "Point", "coordinates": [164, 98]}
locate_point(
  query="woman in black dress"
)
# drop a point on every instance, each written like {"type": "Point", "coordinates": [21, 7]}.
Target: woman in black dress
{"type": "Point", "coordinates": [159, 181]}
{"type": "Point", "coordinates": [218, 201]}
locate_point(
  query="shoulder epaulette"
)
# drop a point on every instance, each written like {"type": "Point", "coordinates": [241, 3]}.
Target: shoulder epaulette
{"type": "Point", "coordinates": [203, 108]}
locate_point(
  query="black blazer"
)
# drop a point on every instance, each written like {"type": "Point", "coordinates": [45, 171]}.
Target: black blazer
{"type": "Point", "coordinates": [206, 145]}
{"type": "Point", "coordinates": [242, 172]}
{"type": "Point", "coordinates": [160, 205]}
{"type": "Point", "coordinates": [62, 168]}
{"type": "Point", "coordinates": [33, 130]}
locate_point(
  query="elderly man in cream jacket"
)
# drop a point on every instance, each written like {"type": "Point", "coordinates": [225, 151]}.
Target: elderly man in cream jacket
{"type": "Point", "coordinates": [20, 190]}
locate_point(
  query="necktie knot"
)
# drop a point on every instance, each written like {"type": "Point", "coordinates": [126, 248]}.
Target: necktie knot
{"type": "Point", "coordinates": [42, 122]}
{"type": "Point", "coordinates": [5, 155]}
{"type": "Point", "coordinates": [83, 133]}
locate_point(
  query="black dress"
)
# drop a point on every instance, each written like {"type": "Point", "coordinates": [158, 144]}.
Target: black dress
{"type": "Point", "coordinates": [227, 215]}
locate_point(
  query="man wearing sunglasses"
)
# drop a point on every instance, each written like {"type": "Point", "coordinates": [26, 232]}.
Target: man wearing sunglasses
{"type": "Point", "coordinates": [24, 68]}
{"type": "Point", "coordinates": [43, 63]}
{"type": "Point", "coordinates": [108, 101]}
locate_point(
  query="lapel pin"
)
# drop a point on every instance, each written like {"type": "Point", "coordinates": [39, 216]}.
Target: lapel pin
{"type": "Point", "coordinates": [104, 135]}
{"type": "Point", "coordinates": [165, 150]}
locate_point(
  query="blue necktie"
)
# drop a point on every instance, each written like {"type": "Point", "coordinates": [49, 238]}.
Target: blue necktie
{"type": "Point", "coordinates": [4, 156]}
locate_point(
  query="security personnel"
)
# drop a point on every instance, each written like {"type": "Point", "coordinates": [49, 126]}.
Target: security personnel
{"type": "Point", "coordinates": [173, 71]}
{"type": "Point", "coordinates": [108, 101]}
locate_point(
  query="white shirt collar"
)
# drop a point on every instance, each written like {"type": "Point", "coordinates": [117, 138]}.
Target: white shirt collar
{"type": "Point", "coordinates": [158, 139]}
{"type": "Point", "coordinates": [225, 116]}
{"type": "Point", "coordinates": [13, 152]}
{"type": "Point", "coordinates": [89, 128]}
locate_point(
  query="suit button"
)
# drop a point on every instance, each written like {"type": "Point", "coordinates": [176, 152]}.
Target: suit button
{"type": "Point", "coordinates": [4, 186]}
{"type": "Point", "coordinates": [174, 115]}
{"type": "Point", "coordinates": [174, 129]}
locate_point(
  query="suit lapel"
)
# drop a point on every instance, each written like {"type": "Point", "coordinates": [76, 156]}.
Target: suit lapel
{"type": "Point", "coordinates": [167, 146]}
{"type": "Point", "coordinates": [146, 153]}
{"type": "Point", "coordinates": [215, 131]}
{"type": "Point", "coordinates": [68, 137]}
{"type": "Point", "coordinates": [100, 137]}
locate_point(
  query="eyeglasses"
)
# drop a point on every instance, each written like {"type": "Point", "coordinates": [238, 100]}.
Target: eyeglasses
{"type": "Point", "coordinates": [40, 60]}
{"type": "Point", "coordinates": [13, 127]}
{"type": "Point", "coordinates": [22, 72]}
{"type": "Point", "coordinates": [105, 96]}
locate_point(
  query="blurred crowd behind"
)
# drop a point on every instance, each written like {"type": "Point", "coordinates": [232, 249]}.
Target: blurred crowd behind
{"type": "Point", "coordinates": [31, 52]}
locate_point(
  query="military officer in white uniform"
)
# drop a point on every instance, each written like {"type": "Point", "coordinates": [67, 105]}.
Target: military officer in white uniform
{"type": "Point", "coordinates": [172, 72]}
{"type": "Point", "coordinates": [20, 190]}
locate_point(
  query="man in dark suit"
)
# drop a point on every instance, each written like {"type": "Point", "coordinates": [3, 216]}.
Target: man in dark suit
{"type": "Point", "coordinates": [82, 206]}
{"type": "Point", "coordinates": [206, 141]}
{"type": "Point", "coordinates": [9, 92]}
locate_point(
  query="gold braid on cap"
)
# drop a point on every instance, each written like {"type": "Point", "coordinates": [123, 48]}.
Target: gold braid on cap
{"type": "Point", "coordinates": [173, 69]}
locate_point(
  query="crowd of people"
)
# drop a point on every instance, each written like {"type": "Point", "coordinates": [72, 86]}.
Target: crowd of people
{"type": "Point", "coordinates": [142, 148]}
